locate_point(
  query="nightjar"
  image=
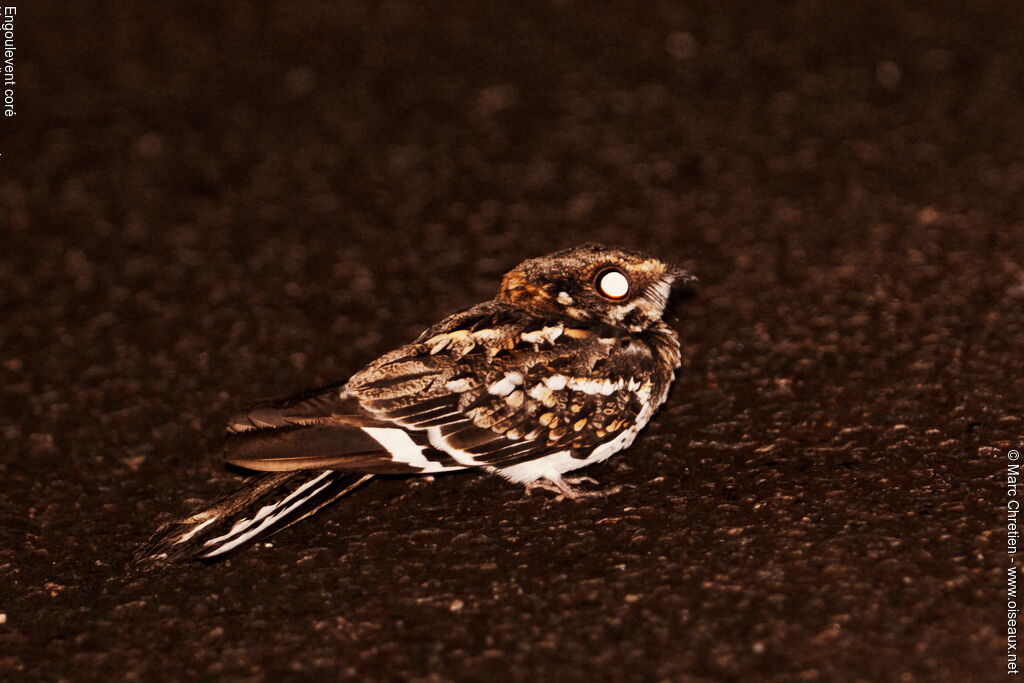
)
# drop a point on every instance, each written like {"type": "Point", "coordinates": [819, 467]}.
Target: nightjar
{"type": "Point", "coordinates": [560, 370]}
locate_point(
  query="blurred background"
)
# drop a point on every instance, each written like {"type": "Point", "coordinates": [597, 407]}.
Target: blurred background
{"type": "Point", "coordinates": [208, 203]}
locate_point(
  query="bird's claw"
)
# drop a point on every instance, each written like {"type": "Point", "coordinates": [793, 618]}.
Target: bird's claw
{"type": "Point", "coordinates": [564, 488]}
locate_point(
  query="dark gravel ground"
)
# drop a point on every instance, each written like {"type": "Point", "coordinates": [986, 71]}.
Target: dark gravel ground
{"type": "Point", "coordinates": [207, 204]}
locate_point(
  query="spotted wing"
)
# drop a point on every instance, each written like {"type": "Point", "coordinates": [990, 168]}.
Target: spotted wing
{"type": "Point", "coordinates": [493, 388]}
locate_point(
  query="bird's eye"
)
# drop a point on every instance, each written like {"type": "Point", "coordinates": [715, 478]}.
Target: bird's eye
{"type": "Point", "coordinates": [612, 284]}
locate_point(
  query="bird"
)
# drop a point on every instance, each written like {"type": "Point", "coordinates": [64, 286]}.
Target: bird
{"type": "Point", "coordinates": [559, 371]}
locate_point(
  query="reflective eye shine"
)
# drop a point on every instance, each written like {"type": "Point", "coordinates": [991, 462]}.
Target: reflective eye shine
{"type": "Point", "coordinates": [612, 284]}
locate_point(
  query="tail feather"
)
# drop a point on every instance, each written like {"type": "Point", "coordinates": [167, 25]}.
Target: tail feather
{"type": "Point", "coordinates": [258, 510]}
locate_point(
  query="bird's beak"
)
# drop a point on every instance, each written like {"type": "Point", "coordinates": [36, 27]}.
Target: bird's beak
{"type": "Point", "coordinates": [682, 279]}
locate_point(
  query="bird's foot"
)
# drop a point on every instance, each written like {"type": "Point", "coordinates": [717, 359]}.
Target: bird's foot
{"type": "Point", "coordinates": [564, 487]}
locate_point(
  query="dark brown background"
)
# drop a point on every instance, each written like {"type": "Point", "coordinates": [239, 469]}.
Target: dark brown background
{"type": "Point", "coordinates": [211, 203]}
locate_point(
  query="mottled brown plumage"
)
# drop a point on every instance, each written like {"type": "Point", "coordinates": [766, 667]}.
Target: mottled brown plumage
{"type": "Point", "coordinates": [560, 370]}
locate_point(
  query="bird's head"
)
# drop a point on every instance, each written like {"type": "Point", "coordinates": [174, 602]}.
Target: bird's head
{"type": "Point", "coordinates": [595, 283]}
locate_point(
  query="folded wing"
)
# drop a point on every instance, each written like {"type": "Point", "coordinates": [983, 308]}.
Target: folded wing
{"type": "Point", "coordinates": [481, 389]}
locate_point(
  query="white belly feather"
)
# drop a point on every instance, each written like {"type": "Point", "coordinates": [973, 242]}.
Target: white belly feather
{"type": "Point", "coordinates": [553, 465]}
